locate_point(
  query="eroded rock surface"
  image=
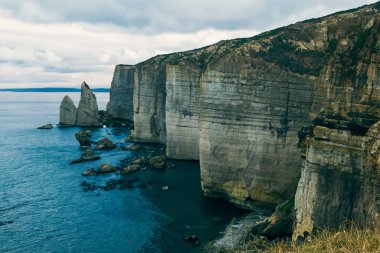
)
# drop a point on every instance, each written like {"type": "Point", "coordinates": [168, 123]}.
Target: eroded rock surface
{"type": "Point", "coordinates": [340, 180]}
{"type": "Point", "coordinates": [121, 93]}
{"type": "Point", "coordinates": [68, 112]}
{"type": "Point", "coordinates": [88, 113]}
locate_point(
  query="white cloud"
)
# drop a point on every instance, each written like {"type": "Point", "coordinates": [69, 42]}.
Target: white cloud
{"type": "Point", "coordinates": [61, 43]}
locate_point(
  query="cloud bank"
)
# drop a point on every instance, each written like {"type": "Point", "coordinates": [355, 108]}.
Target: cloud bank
{"type": "Point", "coordinates": [61, 43]}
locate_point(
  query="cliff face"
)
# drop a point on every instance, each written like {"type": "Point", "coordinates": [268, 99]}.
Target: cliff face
{"type": "Point", "coordinates": [340, 180]}
{"type": "Point", "coordinates": [247, 108]}
{"type": "Point", "coordinates": [182, 111]}
{"type": "Point", "coordinates": [121, 93]}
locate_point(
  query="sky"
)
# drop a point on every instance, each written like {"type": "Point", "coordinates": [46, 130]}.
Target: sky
{"type": "Point", "coordinates": [50, 43]}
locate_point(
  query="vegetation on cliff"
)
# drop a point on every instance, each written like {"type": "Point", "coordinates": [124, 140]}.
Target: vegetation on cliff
{"type": "Point", "coordinates": [348, 239]}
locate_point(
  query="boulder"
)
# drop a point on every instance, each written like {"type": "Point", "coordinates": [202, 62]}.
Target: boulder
{"type": "Point", "coordinates": [84, 137]}
{"type": "Point", "coordinates": [88, 113]}
{"type": "Point", "coordinates": [67, 112]}
{"type": "Point", "coordinates": [88, 155]}
{"type": "Point", "coordinates": [47, 126]}
{"type": "Point", "coordinates": [130, 169]}
{"type": "Point", "coordinates": [89, 172]}
{"type": "Point", "coordinates": [157, 162]}
{"type": "Point", "coordinates": [106, 168]}
{"type": "Point", "coordinates": [130, 147]}
{"type": "Point", "coordinates": [105, 143]}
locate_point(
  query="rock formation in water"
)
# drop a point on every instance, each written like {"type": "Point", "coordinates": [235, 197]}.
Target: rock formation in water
{"type": "Point", "coordinates": [68, 112]}
{"type": "Point", "coordinates": [87, 113]}
{"type": "Point", "coordinates": [258, 111]}
{"type": "Point", "coordinates": [121, 93]}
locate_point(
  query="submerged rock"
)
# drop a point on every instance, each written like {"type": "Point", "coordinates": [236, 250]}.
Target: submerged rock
{"type": "Point", "coordinates": [84, 137]}
{"type": "Point", "coordinates": [130, 169]}
{"type": "Point", "coordinates": [89, 172]}
{"type": "Point", "coordinates": [47, 126]}
{"type": "Point", "coordinates": [105, 143]}
{"type": "Point", "coordinates": [130, 147]}
{"type": "Point", "coordinates": [88, 155]}
{"type": "Point", "coordinates": [193, 239]}
{"type": "Point", "coordinates": [157, 162]}
{"type": "Point", "coordinates": [67, 112]}
{"type": "Point", "coordinates": [88, 113]}
{"type": "Point", "coordinates": [106, 168]}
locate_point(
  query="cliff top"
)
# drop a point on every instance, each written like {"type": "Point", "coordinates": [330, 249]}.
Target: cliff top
{"type": "Point", "coordinates": [301, 48]}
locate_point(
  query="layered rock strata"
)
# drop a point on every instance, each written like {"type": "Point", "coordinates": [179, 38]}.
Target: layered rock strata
{"type": "Point", "coordinates": [120, 105]}
{"type": "Point", "coordinates": [340, 181]}
{"type": "Point", "coordinates": [247, 107]}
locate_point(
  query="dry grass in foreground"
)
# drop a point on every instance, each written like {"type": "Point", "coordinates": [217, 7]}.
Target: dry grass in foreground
{"type": "Point", "coordinates": [346, 240]}
{"type": "Point", "coordinates": [350, 240]}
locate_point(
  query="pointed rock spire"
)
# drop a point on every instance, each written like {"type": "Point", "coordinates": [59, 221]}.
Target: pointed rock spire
{"type": "Point", "coordinates": [88, 113]}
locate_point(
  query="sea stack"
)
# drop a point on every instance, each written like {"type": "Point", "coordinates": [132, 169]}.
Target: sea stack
{"type": "Point", "coordinates": [68, 112]}
{"type": "Point", "coordinates": [88, 113]}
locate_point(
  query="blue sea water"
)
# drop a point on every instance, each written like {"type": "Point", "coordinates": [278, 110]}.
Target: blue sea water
{"type": "Point", "coordinates": [45, 208]}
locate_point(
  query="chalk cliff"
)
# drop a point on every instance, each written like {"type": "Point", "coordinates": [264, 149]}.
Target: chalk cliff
{"type": "Point", "coordinates": [256, 113]}
{"type": "Point", "coordinates": [120, 105]}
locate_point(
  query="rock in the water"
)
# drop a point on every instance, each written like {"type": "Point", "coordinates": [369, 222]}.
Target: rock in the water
{"type": "Point", "coordinates": [84, 137]}
{"type": "Point", "coordinates": [88, 113]}
{"type": "Point", "coordinates": [106, 168]}
{"type": "Point", "coordinates": [105, 143]}
{"type": "Point", "coordinates": [47, 126]}
{"type": "Point", "coordinates": [67, 112]}
{"type": "Point", "coordinates": [88, 155]}
{"type": "Point", "coordinates": [130, 147]}
{"type": "Point", "coordinates": [157, 162]}
{"type": "Point", "coordinates": [89, 172]}
{"type": "Point", "coordinates": [165, 188]}
{"type": "Point", "coordinates": [193, 239]}
{"type": "Point", "coordinates": [130, 169]}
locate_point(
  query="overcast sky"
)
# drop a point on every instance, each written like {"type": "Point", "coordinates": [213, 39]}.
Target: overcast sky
{"type": "Point", "coordinates": [45, 43]}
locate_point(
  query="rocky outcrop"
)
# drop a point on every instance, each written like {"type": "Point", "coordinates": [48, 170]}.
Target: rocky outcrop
{"type": "Point", "coordinates": [247, 107]}
{"type": "Point", "coordinates": [68, 112]}
{"type": "Point", "coordinates": [340, 180]}
{"type": "Point", "coordinates": [120, 105]}
{"type": "Point", "coordinates": [84, 137]}
{"type": "Point", "coordinates": [88, 113]}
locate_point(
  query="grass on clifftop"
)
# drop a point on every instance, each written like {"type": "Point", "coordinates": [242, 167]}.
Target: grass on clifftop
{"type": "Point", "coordinates": [351, 240]}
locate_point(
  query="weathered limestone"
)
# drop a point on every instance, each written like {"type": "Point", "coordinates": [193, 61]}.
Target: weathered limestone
{"type": "Point", "coordinates": [88, 113]}
{"type": "Point", "coordinates": [149, 102]}
{"type": "Point", "coordinates": [251, 103]}
{"type": "Point", "coordinates": [182, 97]}
{"type": "Point", "coordinates": [248, 142]}
{"type": "Point", "coordinates": [68, 112]}
{"type": "Point", "coordinates": [120, 105]}
{"type": "Point", "coordinates": [340, 180]}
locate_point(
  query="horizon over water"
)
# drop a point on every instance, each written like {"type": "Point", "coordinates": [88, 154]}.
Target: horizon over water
{"type": "Point", "coordinates": [45, 206]}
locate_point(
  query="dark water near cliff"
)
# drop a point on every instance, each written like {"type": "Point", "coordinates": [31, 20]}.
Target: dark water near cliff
{"type": "Point", "coordinates": [45, 208]}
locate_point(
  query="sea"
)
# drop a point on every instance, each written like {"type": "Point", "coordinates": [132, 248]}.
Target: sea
{"type": "Point", "coordinates": [46, 205]}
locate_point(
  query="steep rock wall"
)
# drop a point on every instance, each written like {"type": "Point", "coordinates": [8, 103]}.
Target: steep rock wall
{"type": "Point", "coordinates": [340, 181]}
{"type": "Point", "coordinates": [149, 99]}
{"type": "Point", "coordinates": [182, 100]}
{"type": "Point", "coordinates": [258, 99]}
{"type": "Point", "coordinates": [120, 105]}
